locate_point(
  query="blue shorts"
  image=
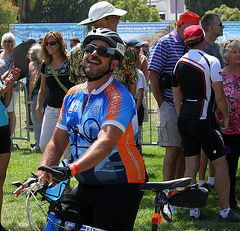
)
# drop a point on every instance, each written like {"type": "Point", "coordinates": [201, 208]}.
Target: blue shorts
{"type": "Point", "coordinates": [5, 141]}
{"type": "Point", "coordinates": [201, 133]}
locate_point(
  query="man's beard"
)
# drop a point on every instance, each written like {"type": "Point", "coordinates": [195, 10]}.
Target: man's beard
{"type": "Point", "coordinates": [93, 73]}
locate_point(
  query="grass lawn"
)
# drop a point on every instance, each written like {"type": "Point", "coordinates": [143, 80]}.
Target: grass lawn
{"type": "Point", "coordinates": [23, 162]}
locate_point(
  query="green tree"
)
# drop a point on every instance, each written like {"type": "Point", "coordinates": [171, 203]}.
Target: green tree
{"type": "Point", "coordinates": [201, 6]}
{"type": "Point", "coordinates": [232, 3]}
{"type": "Point", "coordinates": [137, 10]}
{"type": "Point", "coordinates": [227, 13]}
{"type": "Point", "coordinates": [53, 11]}
{"type": "Point", "coordinates": [8, 15]}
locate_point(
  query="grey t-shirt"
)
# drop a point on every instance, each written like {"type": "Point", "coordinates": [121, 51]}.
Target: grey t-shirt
{"type": "Point", "coordinates": [214, 50]}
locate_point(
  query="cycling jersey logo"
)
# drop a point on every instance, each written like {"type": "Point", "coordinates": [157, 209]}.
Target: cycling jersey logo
{"type": "Point", "coordinates": [83, 136]}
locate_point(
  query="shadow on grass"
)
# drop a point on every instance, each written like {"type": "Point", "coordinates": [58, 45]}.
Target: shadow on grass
{"type": "Point", "coordinates": [16, 227]}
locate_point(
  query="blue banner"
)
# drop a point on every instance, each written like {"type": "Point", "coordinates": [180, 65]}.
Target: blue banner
{"type": "Point", "coordinates": [69, 30]}
{"type": "Point", "coordinates": [137, 30]}
{"type": "Point", "coordinates": [231, 31]}
{"type": "Point", "coordinates": [126, 30]}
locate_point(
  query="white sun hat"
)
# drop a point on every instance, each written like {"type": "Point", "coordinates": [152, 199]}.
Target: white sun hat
{"type": "Point", "coordinates": [100, 10]}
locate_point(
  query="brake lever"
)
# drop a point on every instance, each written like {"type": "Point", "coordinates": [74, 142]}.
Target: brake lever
{"type": "Point", "coordinates": [16, 183]}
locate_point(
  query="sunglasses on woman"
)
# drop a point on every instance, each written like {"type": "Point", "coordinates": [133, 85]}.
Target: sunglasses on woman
{"type": "Point", "coordinates": [51, 43]}
{"type": "Point", "coordinates": [7, 41]}
{"type": "Point", "coordinates": [101, 51]}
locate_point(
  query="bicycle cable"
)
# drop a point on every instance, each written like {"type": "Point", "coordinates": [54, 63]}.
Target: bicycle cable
{"type": "Point", "coordinates": [30, 191]}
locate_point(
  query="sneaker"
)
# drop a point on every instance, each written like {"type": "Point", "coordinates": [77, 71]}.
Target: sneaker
{"type": "Point", "coordinates": [36, 149]}
{"type": "Point", "coordinates": [169, 209]}
{"type": "Point", "coordinates": [232, 217]}
{"type": "Point", "coordinates": [202, 216]}
{"type": "Point", "coordinates": [33, 144]}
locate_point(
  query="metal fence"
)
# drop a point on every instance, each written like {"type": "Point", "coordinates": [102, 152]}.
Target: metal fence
{"type": "Point", "coordinates": [23, 127]}
{"type": "Point", "coordinates": [22, 116]}
{"type": "Point", "coordinates": [149, 132]}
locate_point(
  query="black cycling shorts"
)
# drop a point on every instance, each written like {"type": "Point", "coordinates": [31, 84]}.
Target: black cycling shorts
{"type": "Point", "coordinates": [201, 133]}
{"type": "Point", "coordinates": [109, 207]}
{"type": "Point", "coordinates": [5, 141]}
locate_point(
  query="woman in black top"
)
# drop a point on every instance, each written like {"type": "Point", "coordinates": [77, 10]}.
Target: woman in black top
{"type": "Point", "coordinates": [54, 54]}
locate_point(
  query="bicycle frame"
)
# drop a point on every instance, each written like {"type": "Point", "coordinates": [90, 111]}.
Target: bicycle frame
{"type": "Point", "coordinates": [161, 189]}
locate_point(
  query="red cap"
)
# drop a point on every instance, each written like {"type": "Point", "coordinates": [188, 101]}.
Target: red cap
{"type": "Point", "coordinates": [192, 33]}
{"type": "Point", "coordinates": [188, 17]}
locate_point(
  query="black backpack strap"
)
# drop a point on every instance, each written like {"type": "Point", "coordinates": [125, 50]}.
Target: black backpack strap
{"type": "Point", "coordinates": [205, 59]}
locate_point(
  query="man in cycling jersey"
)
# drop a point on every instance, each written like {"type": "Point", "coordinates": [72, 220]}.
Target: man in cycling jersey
{"type": "Point", "coordinates": [100, 121]}
{"type": "Point", "coordinates": [197, 90]}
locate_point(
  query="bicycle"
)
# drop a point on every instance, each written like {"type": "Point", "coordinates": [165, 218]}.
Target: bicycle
{"type": "Point", "coordinates": [56, 222]}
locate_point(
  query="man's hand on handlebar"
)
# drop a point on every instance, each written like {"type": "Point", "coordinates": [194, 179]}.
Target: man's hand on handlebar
{"type": "Point", "coordinates": [25, 184]}
{"type": "Point", "coordinates": [53, 174]}
{"type": "Point", "coordinates": [57, 173]}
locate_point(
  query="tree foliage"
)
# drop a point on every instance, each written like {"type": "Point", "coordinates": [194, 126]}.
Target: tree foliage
{"type": "Point", "coordinates": [54, 11]}
{"type": "Point", "coordinates": [137, 10]}
{"type": "Point", "coordinates": [66, 11]}
{"type": "Point", "coordinates": [8, 15]}
{"type": "Point", "coordinates": [201, 6]}
{"type": "Point", "coordinates": [227, 13]}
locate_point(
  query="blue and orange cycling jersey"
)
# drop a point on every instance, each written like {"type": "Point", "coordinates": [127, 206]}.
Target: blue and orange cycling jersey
{"type": "Point", "coordinates": [110, 104]}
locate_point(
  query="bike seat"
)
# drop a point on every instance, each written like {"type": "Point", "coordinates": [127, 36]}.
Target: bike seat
{"type": "Point", "coordinates": [160, 186]}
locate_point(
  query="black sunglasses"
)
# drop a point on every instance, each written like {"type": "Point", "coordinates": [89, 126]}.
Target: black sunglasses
{"type": "Point", "coordinates": [101, 51]}
{"type": "Point", "coordinates": [220, 24]}
{"type": "Point", "coordinates": [51, 43]}
{"type": "Point", "coordinates": [7, 41]}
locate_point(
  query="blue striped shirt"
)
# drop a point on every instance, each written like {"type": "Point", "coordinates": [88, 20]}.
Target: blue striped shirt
{"type": "Point", "coordinates": [163, 57]}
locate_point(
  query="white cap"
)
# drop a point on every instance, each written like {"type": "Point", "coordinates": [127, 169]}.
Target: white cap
{"type": "Point", "coordinates": [100, 10]}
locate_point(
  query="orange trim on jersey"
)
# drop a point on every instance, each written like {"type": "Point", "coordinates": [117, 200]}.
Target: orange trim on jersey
{"type": "Point", "coordinates": [72, 90]}
{"type": "Point", "coordinates": [131, 157]}
{"type": "Point", "coordinates": [115, 101]}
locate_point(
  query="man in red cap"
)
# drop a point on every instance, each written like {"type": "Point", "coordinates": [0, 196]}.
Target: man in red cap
{"type": "Point", "coordinates": [163, 56]}
{"type": "Point", "coordinates": [197, 88]}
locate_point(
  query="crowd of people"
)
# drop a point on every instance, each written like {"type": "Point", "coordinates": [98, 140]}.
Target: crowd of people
{"type": "Point", "coordinates": [88, 107]}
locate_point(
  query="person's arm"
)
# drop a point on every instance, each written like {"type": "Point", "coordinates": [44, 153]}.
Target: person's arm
{"type": "Point", "coordinates": [33, 74]}
{"type": "Point", "coordinates": [140, 97]}
{"type": "Point", "coordinates": [156, 90]}
{"type": "Point", "coordinates": [129, 71]}
{"type": "Point", "coordinates": [51, 156]}
{"type": "Point", "coordinates": [4, 76]}
{"type": "Point", "coordinates": [41, 97]}
{"type": "Point", "coordinates": [13, 75]}
{"type": "Point", "coordinates": [7, 98]}
{"type": "Point", "coordinates": [222, 104]}
{"type": "Point", "coordinates": [145, 69]}
{"type": "Point", "coordinates": [177, 98]}
{"type": "Point", "coordinates": [53, 152]}
{"type": "Point", "coordinates": [106, 140]}
{"type": "Point", "coordinates": [132, 89]}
